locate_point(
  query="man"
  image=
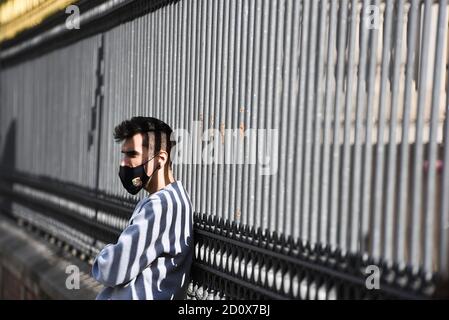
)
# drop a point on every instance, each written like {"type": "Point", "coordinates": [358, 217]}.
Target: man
{"type": "Point", "coordinates": [153, 255]}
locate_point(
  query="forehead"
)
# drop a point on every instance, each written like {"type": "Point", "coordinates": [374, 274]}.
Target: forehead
{"type": "Point", "coordinates": [135, 143]}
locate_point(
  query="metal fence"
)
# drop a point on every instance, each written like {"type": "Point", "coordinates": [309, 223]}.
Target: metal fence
{"type": "Point", "coordinates": [356, 93]}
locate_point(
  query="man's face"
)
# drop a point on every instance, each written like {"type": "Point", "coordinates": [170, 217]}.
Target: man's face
{"type": "Point", "coordinates": [134, 154]}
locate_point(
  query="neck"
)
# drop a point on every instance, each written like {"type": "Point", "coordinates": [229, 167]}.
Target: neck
{"type": "Point", "coordinates": [160, 179]}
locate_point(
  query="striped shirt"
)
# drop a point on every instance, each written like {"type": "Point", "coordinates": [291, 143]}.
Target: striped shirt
{"type": "Point", "coordinates": [153, 255]}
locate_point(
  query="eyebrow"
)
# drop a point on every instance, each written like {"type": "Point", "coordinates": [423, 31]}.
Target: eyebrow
{"type": "Point", "coordinates": [130, 152]}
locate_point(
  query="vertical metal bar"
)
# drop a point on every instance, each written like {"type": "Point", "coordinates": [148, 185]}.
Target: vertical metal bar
{"type": "Point", "coordinates": [274, 42]}
{"type": "Point", "coordinates": [444, 209]}
{"type": "Point", "coordinates": [330, 90]}
{"type": "Point", "coordinates": [239, 120]}
{"type": "Point", "coordinates": [132, 69]}
{"type": "Point", "coordinates": [165, 75]}
{"type": "Point", "coordinates": [309, 105]}
{"type": "Point", "coordinates": [109, 100]}
{"type": "Point", "coordinates": [197, 16]}
{"type": "Point", "coordinates": [245, 100]}
{"type": "Point", "coordinates": [334, 197]}
{"type": "Point", "coordinates": [293, 80]}
{"type": "Point", "coordinates": [260, 218]}
{"type": "Point", "coordinates": [248, 194]}
{"type": "Point", "coordinates": [389, 221]}
{"type": "Point", "coordinates": [138, 65]}
{"type": "Point", "coordinates": [178, 119]}
{"type": "Point", "coordinates": [401, 236]}
{"type": "Point", "coordinates": [193, 98]}
{"type": "Point", "coordinates": [172, 85]}
{"type": "Point", "coordinates": [146, 51]}
{"type": "Point", "coordinates": [216, 84]}
{"type": "Point", "coordinates": [112, 93]}
{"type": "Point", "coordinates": [167, 106]}
{"type": "Point", "coordinates": [216, 191]}
{"type": "Point", "coordinates": [318, 125]}
{"type": "Point", "coordinates": [298, 217]}
{"type": "Point", "coordinates": [232, 114]}
{"type": "Point", "coordinates": [163, 65]}
{"type": "Point", "coordinates": [183, 104]}
{"type": "Point", "coordinates": [360, 109]}
{"type": "Point", "coordinates": [416, 238]}
{"type": "Point", "coordinates": [126, 87]}
{"type": "Point", "coordinates": [210, 92]}
{"type": "Point", "coordinates": [346, 161]}
{"type": "Point", "coordinates": [223, 104]}
{"type": "Point", "coordinates": [157, 63]}
{"type": "Point", "coordinates": [430, 228]}
{"type": "Point", "coordinates": [379, 175]}
{"type": "Point", "coordinates": [204, 31]}
{"type": "Point", "coordinates": [252, 209]}
{"type": "Point", "coordinates": [228, 110]}
{"type": "Point", "coordinates": [285, 152]}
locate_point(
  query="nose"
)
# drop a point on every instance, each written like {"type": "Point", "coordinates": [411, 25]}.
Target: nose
{"type": "Point", "coordinates": [124, 162]}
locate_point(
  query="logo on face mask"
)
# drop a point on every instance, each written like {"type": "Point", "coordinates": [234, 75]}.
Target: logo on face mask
{"type": "Point", "coordinates": [137, 182]}
{"type": "Point", "coordinates": [134, 179]}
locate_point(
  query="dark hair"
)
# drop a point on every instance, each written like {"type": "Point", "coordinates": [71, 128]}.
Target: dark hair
{"type": "Point", "coordinates": [145, 125]}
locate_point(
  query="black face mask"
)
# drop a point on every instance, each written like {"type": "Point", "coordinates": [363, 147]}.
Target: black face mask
{"type": "Point", "coordinates": [134, 179]}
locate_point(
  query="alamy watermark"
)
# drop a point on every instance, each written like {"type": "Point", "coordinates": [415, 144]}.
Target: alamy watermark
{"type": "Point", "coordinates": [73, 20]}
{"type": "Point", "coordinates": [238, 146]}
{"type": "Point", "coordinates": [72, 281]}
{"type": "Point", "coordinates": [372, 282]}
{"type": "Point", "coordinates": [372, 17]}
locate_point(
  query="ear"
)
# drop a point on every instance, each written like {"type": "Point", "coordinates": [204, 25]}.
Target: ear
{"type": "Point", "coordinates": [163, 158]}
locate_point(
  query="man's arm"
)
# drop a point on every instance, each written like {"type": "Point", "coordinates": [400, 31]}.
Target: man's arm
{"type": "Point", "coordinates": [137, 247]}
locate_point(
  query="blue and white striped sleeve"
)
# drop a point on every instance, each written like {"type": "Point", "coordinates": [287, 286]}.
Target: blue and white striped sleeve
{"type": "Point", "coordinates": [137, 247]}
